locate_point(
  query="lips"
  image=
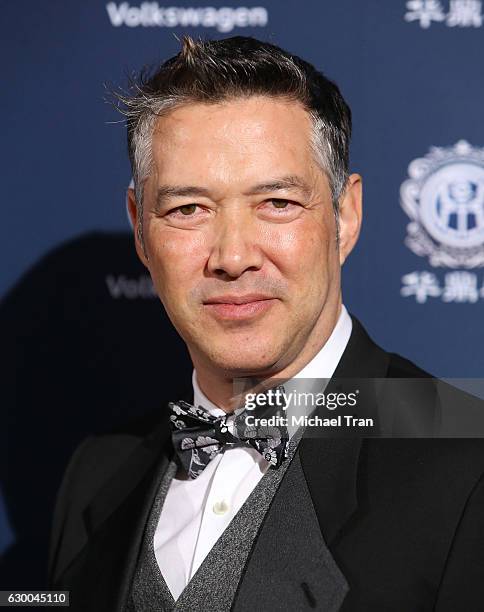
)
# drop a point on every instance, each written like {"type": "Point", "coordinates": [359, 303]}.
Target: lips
{"type": "Point", "coordinates": [239, 307]}
{"type": "Point", "coordinates": [238, 299]}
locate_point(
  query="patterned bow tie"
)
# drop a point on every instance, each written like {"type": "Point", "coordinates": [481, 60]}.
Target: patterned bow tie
{"type": "Point", "coordinates": [198, 436]}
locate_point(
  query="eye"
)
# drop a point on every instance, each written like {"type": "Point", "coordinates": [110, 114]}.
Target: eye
{"type": "Point", "coordinates": [184, 211]}
{"type": "Point", "coordinates": [280, 210]}
{"type": "Point", "coordinates": [187, 215]}
{"type": "Point", "coordinates": [280, 204]}
{"type": "Point", "coordinates": [187, 209]}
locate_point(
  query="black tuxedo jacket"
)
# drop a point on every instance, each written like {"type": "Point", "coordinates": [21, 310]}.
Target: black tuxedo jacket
{"type": "Point", "coordinates": [403, 518]}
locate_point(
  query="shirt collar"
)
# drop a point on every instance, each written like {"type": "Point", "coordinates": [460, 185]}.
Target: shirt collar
{"type": "Point", "coordinates": [322, 365]}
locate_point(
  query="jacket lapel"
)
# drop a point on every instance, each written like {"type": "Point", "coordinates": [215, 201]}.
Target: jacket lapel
{"type": "Point", "coordinates": [316, 499]}
{"type": "Point", "coordinates": [330, 465]}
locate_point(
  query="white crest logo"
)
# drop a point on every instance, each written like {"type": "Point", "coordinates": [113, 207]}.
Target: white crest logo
{"type": "Point", "coordinates": [444, 198]}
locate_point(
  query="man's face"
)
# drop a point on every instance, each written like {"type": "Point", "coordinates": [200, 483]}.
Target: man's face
{"type": "Point", "coordinates": [240, 234]}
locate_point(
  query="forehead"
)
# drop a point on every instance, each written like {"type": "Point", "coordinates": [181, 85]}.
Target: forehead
{"type": "Point", "coordinates": [241, 138]}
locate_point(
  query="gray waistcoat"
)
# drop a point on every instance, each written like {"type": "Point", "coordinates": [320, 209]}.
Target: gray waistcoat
{"type": "Point", "coordinates": [216, 582]}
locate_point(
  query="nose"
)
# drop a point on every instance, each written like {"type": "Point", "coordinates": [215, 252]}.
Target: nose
{"type": "Point", "coordinates": [235, 248]}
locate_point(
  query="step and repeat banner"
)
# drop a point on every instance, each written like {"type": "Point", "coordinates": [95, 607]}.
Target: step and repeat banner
{"type": "Point", "coordinates": [83, 336]}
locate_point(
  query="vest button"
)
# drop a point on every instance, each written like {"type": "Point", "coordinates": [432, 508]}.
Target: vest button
{"type": "Point", "coordinates": [220, 507]}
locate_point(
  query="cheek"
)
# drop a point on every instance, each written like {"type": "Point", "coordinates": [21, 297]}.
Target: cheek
{"type": "Point", "coordinates": [176, 259]}
{"type": "Point", "coordinates": [302, 252]}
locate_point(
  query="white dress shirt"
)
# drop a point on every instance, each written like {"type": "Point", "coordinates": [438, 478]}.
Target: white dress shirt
{"type": "Point", "coordinates": [196, 512]}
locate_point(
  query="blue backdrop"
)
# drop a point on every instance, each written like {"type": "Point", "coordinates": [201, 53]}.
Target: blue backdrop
{"type": "Point", "coordinates": [72, 288]}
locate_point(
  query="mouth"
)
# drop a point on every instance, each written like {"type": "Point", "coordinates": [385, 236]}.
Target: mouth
{"type": "Point", "coordinates": [232, 307]}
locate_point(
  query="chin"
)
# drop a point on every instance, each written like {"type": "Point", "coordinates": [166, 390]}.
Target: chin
{"type": "Point", "coordinates": [247, 362]}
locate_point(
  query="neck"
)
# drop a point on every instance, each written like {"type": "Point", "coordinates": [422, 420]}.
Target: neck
{"type": "Point", "coordinates": [218, 386]}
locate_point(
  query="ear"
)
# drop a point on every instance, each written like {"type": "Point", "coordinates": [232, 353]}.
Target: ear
{"type": "Point", "coordinates": [350, 215]}
{"type": "Point", "coordinates": [133, 215]}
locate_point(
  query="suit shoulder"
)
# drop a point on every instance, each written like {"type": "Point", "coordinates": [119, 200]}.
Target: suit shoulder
{"type": "Point", "coordinates": [94, 460]}
{"type": "Point", "coordinates": [371, 360]}
{"type": "Point", "coordinates": [400, 367]}
{"type": "Point", "coordinates": [99, 457]}
{"type": "Point", "coordinates": [94, 463]}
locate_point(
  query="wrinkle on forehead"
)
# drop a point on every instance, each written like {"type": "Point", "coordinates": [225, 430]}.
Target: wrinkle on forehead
{"type": "Point", "coordinates": [244, 141]}
{"type": "Point", "coordinates": [239, 121]}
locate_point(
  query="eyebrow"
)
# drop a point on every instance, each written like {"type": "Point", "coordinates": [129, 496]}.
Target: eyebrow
{"type": "Point", "coordinates": [284, 183]}
{"type": "Point", "coordinates": [173, 191]}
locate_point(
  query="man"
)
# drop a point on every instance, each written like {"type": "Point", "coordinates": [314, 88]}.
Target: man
{"type": "Point", "coordinates": [244, 213]}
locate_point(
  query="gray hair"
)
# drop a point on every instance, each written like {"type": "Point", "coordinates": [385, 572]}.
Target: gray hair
{"type": "Point", "coordinates": [218, 70]}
